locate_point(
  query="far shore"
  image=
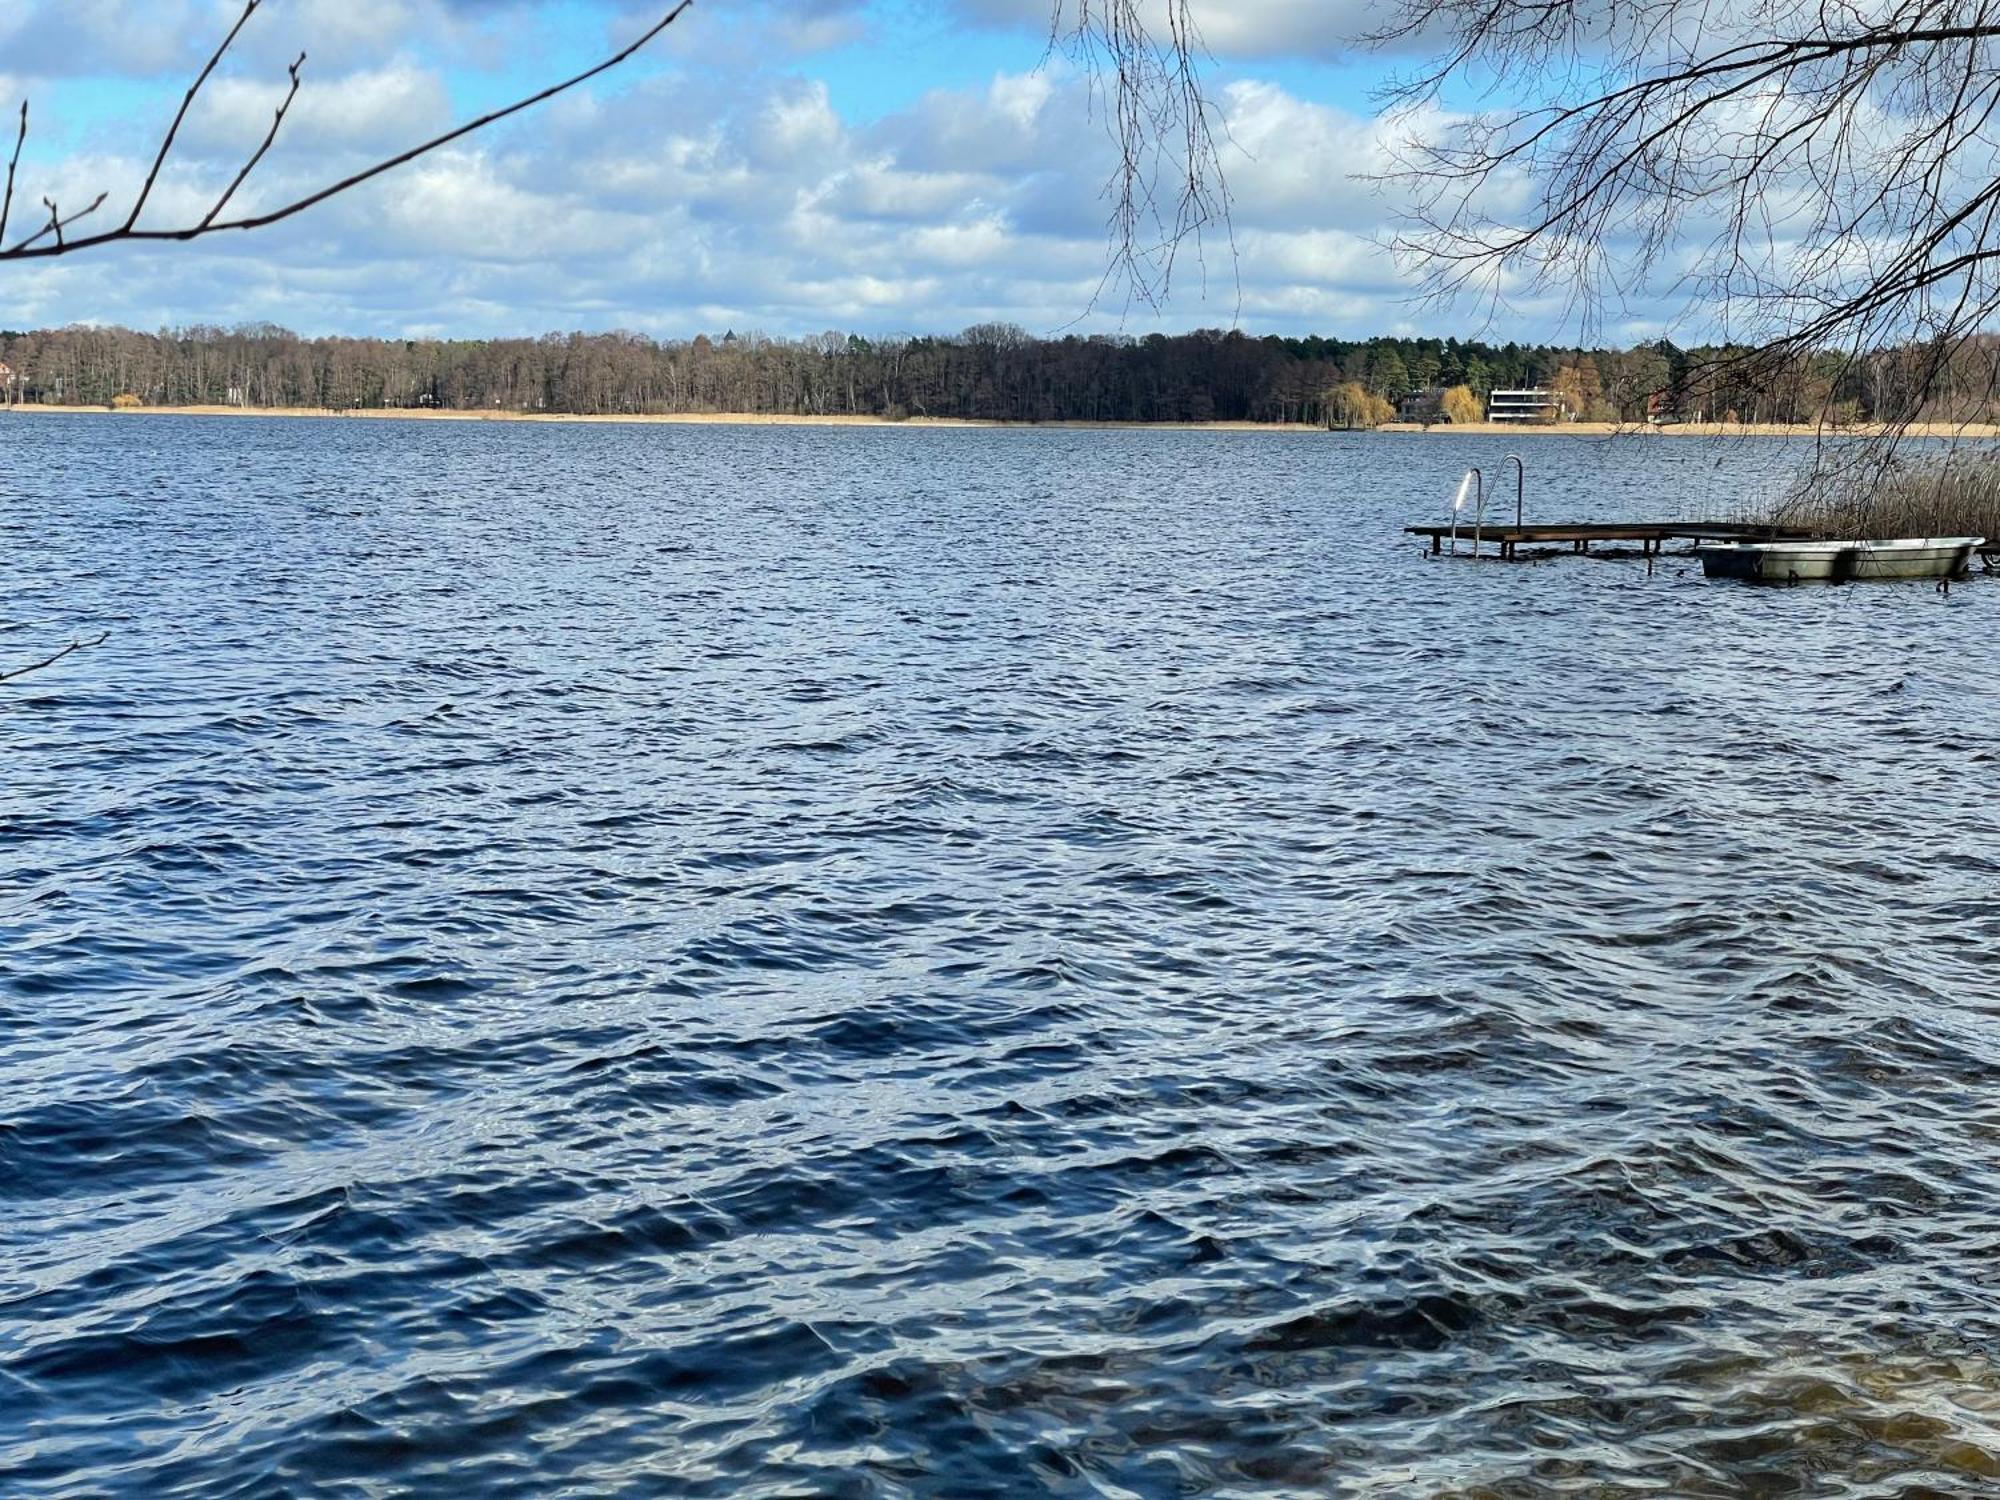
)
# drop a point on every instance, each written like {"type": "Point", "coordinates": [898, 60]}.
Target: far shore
{"type": "Point", "coordinates": [674, 419]}
{"type": "Point", "coordinates": [1698, 429]}
{"type": "Point", "coordinates": [1976, 430]}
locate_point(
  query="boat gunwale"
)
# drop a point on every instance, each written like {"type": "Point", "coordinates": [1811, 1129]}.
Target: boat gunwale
{"type": "Point", "coordinates": [1834, 548]}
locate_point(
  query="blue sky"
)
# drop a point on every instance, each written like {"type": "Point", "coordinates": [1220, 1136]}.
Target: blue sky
{"type": "Point", "coordinates": [791, 166]}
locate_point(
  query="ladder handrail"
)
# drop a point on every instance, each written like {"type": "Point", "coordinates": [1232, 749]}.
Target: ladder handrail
{"type": "Point", "coordinates": [1520, 484]}
{"type": "Point", "coordinates": [1458, 504]}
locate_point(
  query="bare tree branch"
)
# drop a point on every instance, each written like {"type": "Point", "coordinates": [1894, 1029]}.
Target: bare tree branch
{"type": "Point", "coordinates": [52, 660]}
{"type": "Point", "coordinates": [32, 248]}
{"type": "Point", "coordinates": [1802, 180]}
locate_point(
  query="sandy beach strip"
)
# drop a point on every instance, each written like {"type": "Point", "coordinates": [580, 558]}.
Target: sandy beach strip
{"type": "Point", "coordinates": [1966, 430]}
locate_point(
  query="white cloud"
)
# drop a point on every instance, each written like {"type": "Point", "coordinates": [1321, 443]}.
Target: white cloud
{"type": "Point", "coordinates": [99, 37]}
{"type": "Point", "coordinates": [681, 198]}
{"type": "Point", "coordinates": [1296, 163]}
{"type": "Point", "coordinates": [1258, 29]}
{"type": "Point", "coordinates": [380, 110]}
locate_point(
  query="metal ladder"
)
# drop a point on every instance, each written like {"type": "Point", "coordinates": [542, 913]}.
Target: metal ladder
{"type": "Point", "coordinates": [1475, 480]}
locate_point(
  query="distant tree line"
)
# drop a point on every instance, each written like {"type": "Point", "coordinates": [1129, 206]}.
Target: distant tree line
{"type": "Point", "coordinates": [993, 371]}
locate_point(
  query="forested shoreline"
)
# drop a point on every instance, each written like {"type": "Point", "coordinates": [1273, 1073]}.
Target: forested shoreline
{"type": "Point", "coordinates": [993, 372]}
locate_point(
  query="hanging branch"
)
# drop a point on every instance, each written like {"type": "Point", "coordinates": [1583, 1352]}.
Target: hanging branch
{"type": "Point", "coordinates": [33, 248]}
{"type": "Point", "coordinates": [1168, 187]}
{"type": "Point", "coordinates": [51, 661]}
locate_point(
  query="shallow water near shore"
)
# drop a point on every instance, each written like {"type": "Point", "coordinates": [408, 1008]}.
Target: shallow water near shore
{"type": "Point", "coordinates": [722, 961]}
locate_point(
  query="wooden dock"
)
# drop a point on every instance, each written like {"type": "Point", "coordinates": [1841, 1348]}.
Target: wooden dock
{"type": "Point", "coordinates": [1650, 536]}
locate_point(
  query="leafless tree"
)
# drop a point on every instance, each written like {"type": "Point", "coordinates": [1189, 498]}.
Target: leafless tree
{"type": "Point", "coordinates": [1823, 177]}
{"type": "Point", "coordinates": [1817, 177]}
{"type": "Point", "coordinates": [53, 236]}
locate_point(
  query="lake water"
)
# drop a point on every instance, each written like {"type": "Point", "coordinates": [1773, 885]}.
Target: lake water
{"type": "Point", "coordinates": [755, 962]}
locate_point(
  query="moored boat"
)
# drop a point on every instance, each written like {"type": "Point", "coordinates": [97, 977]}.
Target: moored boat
{"type": "Point", "coordinates": [1838, 562]}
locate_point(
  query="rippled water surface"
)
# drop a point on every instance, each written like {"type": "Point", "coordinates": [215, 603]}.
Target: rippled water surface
{"type": "Point", "coordinates": [703, 961]}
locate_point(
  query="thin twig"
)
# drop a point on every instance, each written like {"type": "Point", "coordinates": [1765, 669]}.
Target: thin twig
{"type": "Point", "coordinates": [55, 226]}
{"type": "Point", "coordinates": [51, 661]}
{"type": "Point", "coordinates": [7, 204]}
{"type": "Point", "coordinates": [277, 123]}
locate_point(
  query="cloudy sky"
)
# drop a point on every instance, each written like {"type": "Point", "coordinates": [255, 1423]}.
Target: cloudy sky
{"type": "Point", "coordinates": [785, 165]}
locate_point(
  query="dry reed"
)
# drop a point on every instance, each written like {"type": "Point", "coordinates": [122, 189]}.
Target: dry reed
{"type": "Point", "coordinates": [1954, 494]}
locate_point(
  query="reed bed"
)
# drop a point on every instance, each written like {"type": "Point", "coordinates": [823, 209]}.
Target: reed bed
{"type": "Point", "coordinates": [1956, 494]}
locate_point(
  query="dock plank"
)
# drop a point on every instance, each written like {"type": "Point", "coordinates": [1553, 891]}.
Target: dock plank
{"type": "Point", "coordinates": [1581, 534]}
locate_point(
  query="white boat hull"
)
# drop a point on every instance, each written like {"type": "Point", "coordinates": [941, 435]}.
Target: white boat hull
{"type": "Point", "coordinates": [1839, 562]}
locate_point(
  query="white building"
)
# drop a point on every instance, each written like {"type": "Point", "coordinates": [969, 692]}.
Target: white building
{"type": "Point", "coordinates": [1537, 405]}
